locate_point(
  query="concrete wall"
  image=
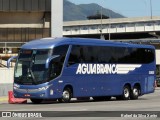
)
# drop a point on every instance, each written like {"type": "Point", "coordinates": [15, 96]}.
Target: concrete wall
{"type": "Point", "coordinates": [21, 17]}
{"type": "Point", "coordinates": [23, 26]}
{"type": "Point", "coordinates": [6, 80]}
{"type": "Point", "coordinates": [157, 57]}
{"type": "Point", "coordinates": [5, 88]}
{"type": "Point", "coordinates": [57, 18]}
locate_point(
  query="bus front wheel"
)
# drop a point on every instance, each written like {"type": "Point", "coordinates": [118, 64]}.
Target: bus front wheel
{"type": "Point", "coordinates": [66, 96]}
{"type": "Point", "coordinates": [135, 93]}
{"type": "Point", "coordinates": [36, 101]}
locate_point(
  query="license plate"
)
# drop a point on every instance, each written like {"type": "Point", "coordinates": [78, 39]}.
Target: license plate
{"type": "Point", "coordinates": [27, 95]}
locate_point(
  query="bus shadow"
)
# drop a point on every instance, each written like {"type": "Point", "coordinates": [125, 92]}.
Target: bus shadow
{"type": "Point", "coordinates": [83, 101]}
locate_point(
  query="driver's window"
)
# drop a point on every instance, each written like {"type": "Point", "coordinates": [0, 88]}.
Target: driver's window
{"type": "Point", "coordinates": [56, 64]}
{"type": "Point", "coordinates": [55, 68]}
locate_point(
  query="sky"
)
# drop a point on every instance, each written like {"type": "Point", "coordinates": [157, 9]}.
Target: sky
{"type": "Point", "coordinates": [128, 8]}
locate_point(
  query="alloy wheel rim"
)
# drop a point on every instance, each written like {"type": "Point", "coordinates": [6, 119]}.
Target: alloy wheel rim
{"type": "Point", "coordinates": [126, 93]}
{"type": "Point", "coordinates": [135, 92]}
{"type": "Point", "coordinates": [66, 95]}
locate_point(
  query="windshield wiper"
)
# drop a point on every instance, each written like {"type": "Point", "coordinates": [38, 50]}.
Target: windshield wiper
{"type": "Point", "coordinates": [31, 72]}
{"type": "Point", "coordinates": [33, 77]}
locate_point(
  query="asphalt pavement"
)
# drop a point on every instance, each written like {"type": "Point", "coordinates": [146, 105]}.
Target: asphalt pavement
{"type": "Point", "coordinates": [147, 107]}
{"type": "Point", "coordinates": [4, 99]}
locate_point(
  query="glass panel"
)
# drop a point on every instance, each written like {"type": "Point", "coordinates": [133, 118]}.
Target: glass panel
{"type": "Point", "coordinates": [109, 54]}
{"type": "Point", "coordinates": [57, 63]}
{"type": "Point", "coordinates": [30, 66]}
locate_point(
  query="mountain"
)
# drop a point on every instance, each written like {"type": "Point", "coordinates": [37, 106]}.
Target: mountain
{"type": "Point", "coordinates": [80, 12]}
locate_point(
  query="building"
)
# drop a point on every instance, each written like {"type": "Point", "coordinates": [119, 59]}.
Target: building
{"type": "Point", "coordinates": [22, 21]}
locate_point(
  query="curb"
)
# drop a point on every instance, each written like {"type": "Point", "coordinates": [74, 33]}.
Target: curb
{"type": "Point", "coordinates": [157, 88]}
{"type": "Point", "coordinates": [4, 99]}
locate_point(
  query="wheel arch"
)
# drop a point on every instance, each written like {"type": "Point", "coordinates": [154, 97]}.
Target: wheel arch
{"type": "Point", "coordinates": [70, 87]}
{"type": "Point", "coordinates": [127, 84]}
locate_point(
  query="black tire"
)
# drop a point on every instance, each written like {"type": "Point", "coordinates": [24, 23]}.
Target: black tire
{"type": "Point", "coordinates": [126, 93]}
{"type": "Point", "coordinates": [66, 96]}
{"type": "Point", "coordinates": [135, 93]}
{"type": "Point", "coordinates": [36, 101]}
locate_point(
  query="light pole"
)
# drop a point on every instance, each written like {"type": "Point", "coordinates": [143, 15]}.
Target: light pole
{"type": "Point", "coordinates": [109, 34]}
{"type": "Point", "coordinates": [151, 8]}
{"type": "Point", "coordinates": [101, 29]}
{"type": "Point", "coordinates": [109, 25]}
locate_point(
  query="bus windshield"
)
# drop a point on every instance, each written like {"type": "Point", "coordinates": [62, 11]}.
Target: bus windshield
{"type": "Point", "coordinates": [30, 66]}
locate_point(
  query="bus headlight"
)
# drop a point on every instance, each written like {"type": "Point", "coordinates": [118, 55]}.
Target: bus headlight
{"type": "Point", "coordinates": [44, 88]}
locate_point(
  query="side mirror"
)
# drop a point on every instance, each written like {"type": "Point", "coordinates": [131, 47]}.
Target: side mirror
{"type": "Point", "coordinates": [9, 60]}
{"type": "Point", "coordinates": [49, 59]}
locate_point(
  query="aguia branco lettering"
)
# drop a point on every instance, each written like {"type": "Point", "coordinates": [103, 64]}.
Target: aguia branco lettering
{"type": "Point", "coordinates": [97, 69]}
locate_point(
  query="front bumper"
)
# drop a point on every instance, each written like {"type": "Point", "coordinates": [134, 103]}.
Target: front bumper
{"type": "Point", "coordinates": [37, 92]}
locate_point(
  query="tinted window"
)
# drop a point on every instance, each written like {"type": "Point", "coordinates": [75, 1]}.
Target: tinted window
{"type": "Point", "coordinates": [108, 54]}
{"type": "Point", "coordinates": [56, 64]}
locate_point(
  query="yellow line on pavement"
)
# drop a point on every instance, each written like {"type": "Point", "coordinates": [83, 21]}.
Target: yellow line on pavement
{"type": "Point", "coordinates": [3, 99]}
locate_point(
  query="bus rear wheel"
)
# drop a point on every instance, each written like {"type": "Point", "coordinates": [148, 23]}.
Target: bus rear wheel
{"type": "Point", "coordinates": [36, 101]}
{"type": "Point", "coordinates": [66, 96]}
{"type": "Point", "coordinates": [135, 93]}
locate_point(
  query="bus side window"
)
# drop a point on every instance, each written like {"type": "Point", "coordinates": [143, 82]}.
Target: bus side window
{"type": "Point", "coordinates": [56, 64]}
{"type": "Point", "coordinates": [73, 59]}
{"type": "Point", "coordinates": [55, 68]}
{"type": "Point", "coordinates": [74, 56]}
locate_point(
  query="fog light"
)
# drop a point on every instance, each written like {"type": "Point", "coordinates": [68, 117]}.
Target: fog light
{"type": "Point", "coordinates": [51, 92]}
